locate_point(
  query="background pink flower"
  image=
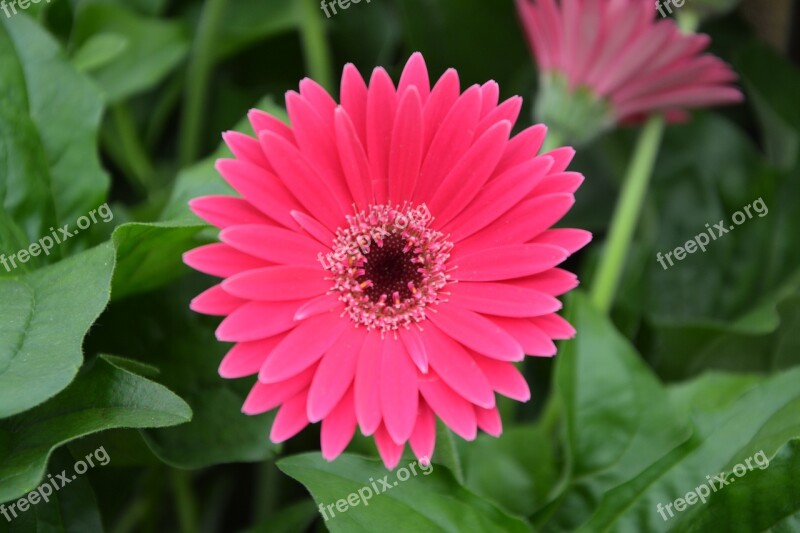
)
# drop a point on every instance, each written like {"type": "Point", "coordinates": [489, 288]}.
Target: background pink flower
{"type": "Point", "coordinates": [389, 259]}
{"type": "Point", "coordinates": [620, 60]}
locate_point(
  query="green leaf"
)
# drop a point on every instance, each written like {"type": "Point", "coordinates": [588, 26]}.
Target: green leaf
{"type": "Point", "coordinates": [431, 500]}
{"type": "Point", "coordinates": [727, 419]}
{"type": "Point", "coordinates": [149, 255]}
{"type": "Point", "coordinates": [71, 510]}
{"type": "Point", "coordinates": [618, 417]}
{"type": "Point", "coordinates": [762, 419]}
{"type": "Point", "coordinates": [49, 115]}
{"type": "Point", "coordinates": [764, 499]}
{"type": "Point", "coordinates": [43, 319]}
{"type": "Point", "coordinates": [105, 396]}
{"type": "Point", "coordinates": [155, 48]}
{"type": "Point", "coordinates": [219, 432]}
{"type": "Point", "coordinates": [99, 50]}
{"type": "Point", "coordinates": [516, 470]}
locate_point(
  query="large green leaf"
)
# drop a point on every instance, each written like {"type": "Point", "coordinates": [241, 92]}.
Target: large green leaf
{"type": "Point", "coordinates": [766, 498]}
{"type": "Point", "coordinates": [43, 319]}
{"type": "Point", "coordinates": [149, 255]}
{"type": "Point", "coordinates": [49, 115]}
{"type": "Point", "coordinates": [516, 470]}
{"type": "Point", "coordinates": [431, 500]}
{"type": "Point", "coordinates": [727, 419]}
{"type": "Point", "coordinates": [618, 417]}
{"type": "Point", "coordinates": [219, 432]}
{"type": "Point", "coordinates": [154, 47]}
{"type": "Point", "coordinates": [762, 419]}
{"type": "Point", "coordinates": [105, 396]}
{"type": "Point", "coordinates": [72, 510]}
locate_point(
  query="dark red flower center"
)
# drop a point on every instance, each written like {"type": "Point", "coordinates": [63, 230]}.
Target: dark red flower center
{"type": "Point", "coordinates": [388, 266]}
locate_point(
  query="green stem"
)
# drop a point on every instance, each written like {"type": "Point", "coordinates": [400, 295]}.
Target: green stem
{"type": "Point", "coordinates": [201, 62]}
{"type": "Point", "coordinates": [184, 501]}
{"type": "Point", "coordinates": [626, 214]}
{"type": "Point", "coordinates": [312, 33]}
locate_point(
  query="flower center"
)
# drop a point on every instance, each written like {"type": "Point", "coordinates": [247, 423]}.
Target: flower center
{"type": "Point", "coordinates": [388, 266]}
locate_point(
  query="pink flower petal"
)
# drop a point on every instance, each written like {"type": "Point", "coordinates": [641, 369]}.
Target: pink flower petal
{"type": "Point", "coordinates": [290, 420]}
{"type": "Point", "coordinates": [489, 420]}
{"type": "Point", "coordinates": [278, 283]}
{"type": "Point", "coordinates": [354, 100]}
{"type": "Point", "coordinates": [216, 302]}
{"type": "Point", "coordinates": [507, 262]}
{"type": "Point", "coordinates": [381, 111]}
{"type": "Point", "coordinates": [297, 175]}
{"type": "Point", "coordinates": [258, 320]}
{"type": "Point", "coordinates": [415, 74]}
{"type": "Point", "coordinates": [245, 148]}
{"type": "Point", "coordinates": [317, 306]}
{"type": "Point", "coordinates": [474, 331]}
{"type": "Point", "coordinates": [265, 397]}
{"type": "Point", "coordinates": [302, 347]}
{"type": "Point", "coordinates": [443, 96]}
{"type": "Point", "coordinates": [522, 147]}
{"type": "Point", "coordinates": [399, 392]}
{"type": "Point", "coordinates": [461, 185]}
{"type": "Point", "coordinates": [571, 240]}
{"type": "Point", "coordinates": [504, 378]}
{"type": "Point", "coordinates": [452, 140]}
{"type": "Point", "coordinates": [412, 339]}
{"type": "Point", "coordinates": [273, 244]}
{"type": "Point", "coordinates": [502, 299]}
{"type": "Point", "coordinates": [497, 197]}
{"type": "Point", "coordinates": [334, 374]}
{"type": "Point", "coordinates": [454, 365]}
{"type": "Point", "coordinates": [456, 412]}
{"type": "Point", "coordinates": [338, 427]}
{"type": "Point", "coordinates": [221, 260]}
{"type": "Point", "coordinates": [423, 439]}
{"type": "Point", "coordinates": [224, 211]}
{"type": "Point", "coordinates": [390, 451]}
{"type": "Point", "coordinates": [247, 358]}
{"type": "Point", "coordinates": [405, 156]}
{"type": "Point", "coordinates": [368, 383]}
{"type": "Point", "coordinates": [261, 188]}
{"type": "Point", "coordinates": [532, 339]}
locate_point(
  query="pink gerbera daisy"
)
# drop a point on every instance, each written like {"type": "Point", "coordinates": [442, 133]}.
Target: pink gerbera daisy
{"type": "Point", "coordinates": [389, 258]}
{"type": "Point", "coordinates": [603, 62]}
